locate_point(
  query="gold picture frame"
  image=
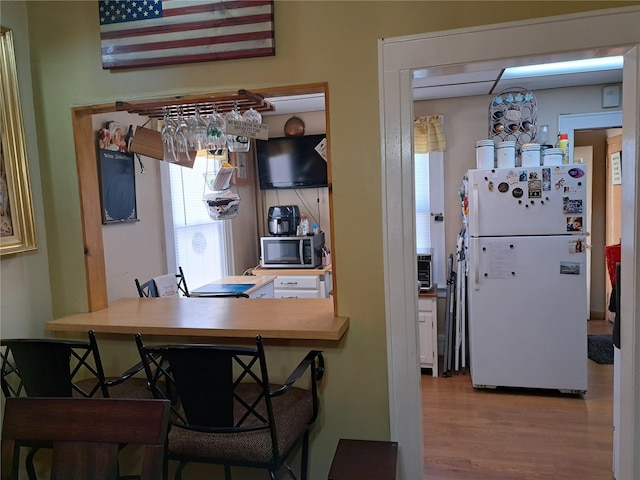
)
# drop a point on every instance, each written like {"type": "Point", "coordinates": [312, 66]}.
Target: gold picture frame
{"type": "Point", "coordinates": [17, 226]}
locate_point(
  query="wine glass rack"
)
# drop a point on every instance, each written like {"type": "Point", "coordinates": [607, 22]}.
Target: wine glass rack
{"type": "Point", "coordinates": [513, 116]}
{"type": "Point", "coordinates": [188, 104]}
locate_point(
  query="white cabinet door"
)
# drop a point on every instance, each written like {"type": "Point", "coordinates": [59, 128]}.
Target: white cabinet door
{"type": "Point", "coordinates": [427, 330]}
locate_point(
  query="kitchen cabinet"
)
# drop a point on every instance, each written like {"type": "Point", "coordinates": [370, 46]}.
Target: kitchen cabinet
{"type": "Point", "coordinates": [428, 330]}
{"type": "Point", "coordinates": [299, 283]}
{"type": "Point", "coordinates": [298, 286]}
{"type": "Point", "coordinates": [258, 287]}
{"type": "Point", "coordinates": [266, 291]}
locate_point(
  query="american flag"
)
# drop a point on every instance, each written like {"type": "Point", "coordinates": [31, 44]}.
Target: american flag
{"type": "Point", "coordinates": [145, 33]}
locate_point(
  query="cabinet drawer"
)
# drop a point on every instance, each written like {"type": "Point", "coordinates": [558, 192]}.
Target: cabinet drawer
{"type": "Point", "coordinates": [426, 304]}
{"type": "Point", "coordinates": [294, 282]}
{"type": "Point", "coordinates": [280, 293]}
{"type": "Point", "coordinates": [266, 291]}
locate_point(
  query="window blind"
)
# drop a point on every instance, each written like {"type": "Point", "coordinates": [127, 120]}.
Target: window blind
{"type": "Point", "coordinates": [423, 203]}
{"type": "Point", "coordinates": [201, 244]}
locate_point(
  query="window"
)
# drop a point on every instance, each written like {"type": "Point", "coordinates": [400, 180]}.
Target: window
{"type": "Point", "coordinates": [429, 194]}
{"type": "Point", "coordinates": [201, 246]}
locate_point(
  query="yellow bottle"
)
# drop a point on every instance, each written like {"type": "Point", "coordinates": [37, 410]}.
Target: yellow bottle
{"type": "Point", "coordinates": [563, 144]}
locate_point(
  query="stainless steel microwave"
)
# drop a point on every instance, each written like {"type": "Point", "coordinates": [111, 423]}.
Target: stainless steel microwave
{"type": "Point", "coordinates": [292, 252]}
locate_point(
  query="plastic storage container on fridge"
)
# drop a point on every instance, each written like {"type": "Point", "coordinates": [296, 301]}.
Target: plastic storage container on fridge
{"type": "Point", "coordinates": [506, 154]}
{"type": "Point", "coordinates": [552, 157]}
{"type": "Point", "coordinates": [485, 154]}
{"type": "Point", "coordinates": [530, 156]}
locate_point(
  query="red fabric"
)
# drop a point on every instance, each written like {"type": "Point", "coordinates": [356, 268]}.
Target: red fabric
{"type": "Point", "coordinates": [612, 254]}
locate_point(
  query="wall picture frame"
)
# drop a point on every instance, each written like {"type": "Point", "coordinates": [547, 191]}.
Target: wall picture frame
{"type": "Point", "coordinates": [17, 223]}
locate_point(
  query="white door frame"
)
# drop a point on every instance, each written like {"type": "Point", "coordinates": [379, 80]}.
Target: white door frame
{"type": "Point", "coordinates": [612, 32]}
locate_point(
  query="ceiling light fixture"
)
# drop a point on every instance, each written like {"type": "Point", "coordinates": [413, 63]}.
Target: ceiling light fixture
{"type": "Point", "coordinates": [559, 68]}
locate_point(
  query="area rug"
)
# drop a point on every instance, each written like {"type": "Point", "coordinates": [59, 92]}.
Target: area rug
{"type": "Point", "coordinates": [600, 348]}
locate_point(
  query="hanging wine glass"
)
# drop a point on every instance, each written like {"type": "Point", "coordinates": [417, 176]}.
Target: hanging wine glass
{"type": "Point", "coordinates": [168, 135]}
{"type": "Point", "coordinates": [197, 134]}
{"type": "Point", "coordinates": [236, 143]}
{"type": "Point", "coordinates": [252, 116]}
{"type": "Point", "coordinates": [182, 139]}
{"type": "Point", "coordinates": [216, 139]}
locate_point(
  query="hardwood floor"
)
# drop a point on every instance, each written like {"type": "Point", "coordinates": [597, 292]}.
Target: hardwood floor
{"type": "Point", "coordinates": [512, 435]}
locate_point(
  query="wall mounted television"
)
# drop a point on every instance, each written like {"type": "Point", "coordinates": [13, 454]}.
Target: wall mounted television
{"type": "Point", "coordinates": [291, 162]}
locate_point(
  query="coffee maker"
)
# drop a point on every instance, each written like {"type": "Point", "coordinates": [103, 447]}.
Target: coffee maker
{"type": "Point", "coordinates": [283, 220]}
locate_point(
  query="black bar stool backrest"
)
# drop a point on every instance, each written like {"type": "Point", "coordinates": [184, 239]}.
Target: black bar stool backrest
{"type": "Point", "coordinates": [51, 368]}
{"type": "Point", "coordinates": [44, 367]}
{"type": "Point", "coordinates": [205, 393]}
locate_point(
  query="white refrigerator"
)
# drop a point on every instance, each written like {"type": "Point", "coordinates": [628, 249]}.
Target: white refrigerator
{"type": "Point", "coordinates": [526, 285]}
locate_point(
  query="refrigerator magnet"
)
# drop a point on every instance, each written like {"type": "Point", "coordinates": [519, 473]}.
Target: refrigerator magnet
{"type": "Point", "coordinates": [574, 224]}
{"type": "Point", "coordinates": [512, 177]}
{"type": "Point", "coordinates": [571, 206]}
{"type": "Point", "coordinates": [576, 172]}
{"type": "Point", "coordinates": [569, 268]}
{"type": "Point", "coordinates": [535, 188]}
{"type": "Point", "coordinates": [517, 192]}
{"type": "Point", "coordinates": [576, 246]}
{"type": "Point", "coordinates": [490, 186]}
{"type": "Point", "coordinates": [503, 187]}
{"type": "Point", "coordinates": [523, 176]}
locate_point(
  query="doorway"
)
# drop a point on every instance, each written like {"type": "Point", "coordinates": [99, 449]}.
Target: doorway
{"type": "Point", "coordinates": [593, 129]}
{"type": "Point", "coordinates": [464, 49]}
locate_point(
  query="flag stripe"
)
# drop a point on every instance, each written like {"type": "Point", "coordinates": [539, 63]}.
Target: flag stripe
{"type": "Point", "coordinates": [191, 31]}
{"type": "Point", "coordinates": [190, 38]}
{"type": "Point", "coordinates": [189, 42]}
{"type": "Point", "coordinates": [175, 60]}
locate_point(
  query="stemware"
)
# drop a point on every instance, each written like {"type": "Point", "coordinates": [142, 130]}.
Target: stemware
{"type": "Point", "coordinates": [197, 133]}
{"type": "Point", "coordinates": [236, 143]}
{"type": "Point", "coordinates": [182, 139]}
{"type": "Point", "coordinates": [168, 135]}
{"type": "Point", "coordinates": [216, 138]}
{"type": "Point", "coordinates": [252, 116]}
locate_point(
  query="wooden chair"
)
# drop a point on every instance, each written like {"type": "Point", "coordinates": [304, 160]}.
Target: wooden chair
{"type": "Point", "coordinates": [85, 434]}
{"type": "Point", "coordinates": [226, 412]}
{"type": "Point", "coordinates": [149, 288]}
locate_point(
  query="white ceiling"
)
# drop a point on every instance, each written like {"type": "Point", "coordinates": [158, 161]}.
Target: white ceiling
{"type": "Point", "coordinates": [490, 82]}
{"type": "Point", "coordinates": [459, 83]}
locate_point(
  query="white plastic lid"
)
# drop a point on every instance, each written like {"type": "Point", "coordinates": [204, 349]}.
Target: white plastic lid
{"type": "Point", "coordinates": [552, 151]}
{"type": "Point", "coordinates": [507, 144]}
{"type": "Point", "coordinates": [484, 143]}
{"type": "Point", "coordinates": [530, 146]}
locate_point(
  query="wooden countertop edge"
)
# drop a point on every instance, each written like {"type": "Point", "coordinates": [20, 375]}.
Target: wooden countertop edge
{"type": "Point", "coordinates": [311, 319]}
{"type": "Point", "coordinates": [333, 335]}
{"type": "Point", "coordinates": [292, 271]}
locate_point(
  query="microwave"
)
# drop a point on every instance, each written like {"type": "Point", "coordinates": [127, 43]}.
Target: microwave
{"type": "Point", "coordinates": [292, 252]}
{"type": "Point", "coordinates": [425, 265]}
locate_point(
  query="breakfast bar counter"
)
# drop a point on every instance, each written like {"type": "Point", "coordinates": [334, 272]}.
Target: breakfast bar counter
{"type": "Point", "coordinates": [311, 319]}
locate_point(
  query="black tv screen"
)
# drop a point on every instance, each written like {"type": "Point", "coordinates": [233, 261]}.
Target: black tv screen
{"type": "Point", "coordinates": [291, 162]}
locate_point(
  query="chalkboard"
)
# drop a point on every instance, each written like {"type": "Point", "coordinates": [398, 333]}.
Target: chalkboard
{"type": "Point", "coordinates": [117, 187]}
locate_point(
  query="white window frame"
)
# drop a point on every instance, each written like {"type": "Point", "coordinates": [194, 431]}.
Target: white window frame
{"type": "Point", "coordinates": [436, 207]}
{"type": "Point", "coordinates": [227, 266]}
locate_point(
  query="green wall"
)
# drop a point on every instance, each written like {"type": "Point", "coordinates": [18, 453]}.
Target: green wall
{"type": "Point", "coordinates": [316, 41]}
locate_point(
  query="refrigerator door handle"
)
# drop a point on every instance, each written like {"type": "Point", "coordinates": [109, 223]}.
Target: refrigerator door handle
{"type": "Point", "coordinates": [476, 272]}
{"type": "Point", "coordinates": [474, 211]}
